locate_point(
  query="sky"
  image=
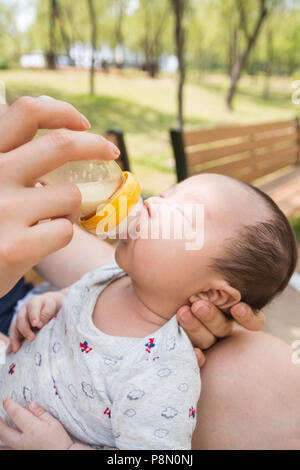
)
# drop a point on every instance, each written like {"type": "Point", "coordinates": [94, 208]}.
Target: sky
{"type": "Point", "coordinates": [25, 12]}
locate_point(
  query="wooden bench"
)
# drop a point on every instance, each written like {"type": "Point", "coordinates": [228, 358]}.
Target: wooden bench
{"type": "Point", "coordinates": [266, 155]}
{"type": "Point", "coordinates": [116, 136]}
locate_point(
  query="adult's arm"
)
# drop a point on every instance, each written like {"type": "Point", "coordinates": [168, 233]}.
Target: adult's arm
{"type": "Point", "coordinates": [250, 395]}
{"type": "Point", "coordinates": [24, 242]}
{"type": "Point", "coordinates": [83, 254]}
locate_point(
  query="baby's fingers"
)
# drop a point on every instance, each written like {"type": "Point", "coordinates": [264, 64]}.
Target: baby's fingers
{"type": "Point", "coordinates": [34, 310]}
{"type": "Point", "coordinates": [23, 324]}
{"type": "Point", "coordinates": [47, 311]}
{"type": "Point", "coordinates": [16, 339]}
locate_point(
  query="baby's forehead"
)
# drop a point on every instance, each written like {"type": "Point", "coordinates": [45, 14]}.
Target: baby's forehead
{"type": "Point", "coordinates": [222, 196]}
{"type": "Point", "coordinates": [183, 193]}
{"type": "Point", "coordinates": [209, 184]}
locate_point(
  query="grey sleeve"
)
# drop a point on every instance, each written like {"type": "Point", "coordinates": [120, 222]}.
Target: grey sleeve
{"type": "Point", "coordinates": [155, 405]}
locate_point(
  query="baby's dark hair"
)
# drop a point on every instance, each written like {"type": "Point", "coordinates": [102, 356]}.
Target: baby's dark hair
{"type": "Point", "coordinates": [260, 260]}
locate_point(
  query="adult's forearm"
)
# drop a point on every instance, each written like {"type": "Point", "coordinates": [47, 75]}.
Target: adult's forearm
{"type": "Point", "coordinates": [83, 254]}
{"type": "Point", "coordinates": [250, 395]}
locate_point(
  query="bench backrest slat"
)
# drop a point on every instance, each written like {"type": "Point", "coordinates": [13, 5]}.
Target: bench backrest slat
{"type": "Point", "coordinates": [244, 152]}
{"type": "Point", "coordinates": [228, 132]}
{"type": "Point", "coordinates": [202, 156]}
{"type": "Point", "coordinates": [248, 168]}
{"type": "Point", "coordinates": [116, 136]}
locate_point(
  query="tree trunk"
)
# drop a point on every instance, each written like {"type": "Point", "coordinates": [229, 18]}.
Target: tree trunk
{"type": "Point", "coordinates": [119, 34]}
{"type": "Point", "coordinates": [51, 54]}
{"type": "Point", "coordinates": [65, 37]}
{"type": "Point", "coordinates": [179, 7]}
{"type": "Point", "coordinates": [93, 22]}
{"type": "Point", "coordinates": [240, 62]}
{"type": "Point", "coordinates": [269, 64]}
{"type": "Point", "coordinates": [233, 50]}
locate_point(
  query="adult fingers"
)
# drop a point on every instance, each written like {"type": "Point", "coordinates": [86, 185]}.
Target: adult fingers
{"type": "Point", "coordinates": [8, 435]}
{"type": "Point", "coordinates": [247, 318]}
{"type": "Point", "coordinates": [22, 120]}
{"type": "Point", "coordinates": [49, 202]}
{"type": "Point", "coordinates": [28, 163]}
{"type": "Point", "coordinates": [200, 357]}
{"type": "Point", "coordinates": [44, 239]}
{"type": "Point", "coordinates": [199, 335]}
{"type": "Point", "coordinates": [22, 418]}
{"type": "Point", "coordinates": [212, 318]}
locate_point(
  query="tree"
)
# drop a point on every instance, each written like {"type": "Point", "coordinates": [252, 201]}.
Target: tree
{"type": "Point", "coordinates": [179, 8]}
{"type": "Point", "coordinates": [251, 37]}
{"type": "Point", "coordinates": [120, 12]}
{"type": "Point", "coordinates": [93, 23]}
{"type": "Point", "coordinates": [51, 54]}
{"type": "Point", "coordinates": [148, 31]}
{"type": "Point", "coordinates": [65, 35]}
{"type": "Point", "coordinates": [9, 36]}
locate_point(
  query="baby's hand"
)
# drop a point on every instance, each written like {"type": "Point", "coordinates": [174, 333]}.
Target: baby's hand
{"type": "Point", "coordinates": [38, 311]}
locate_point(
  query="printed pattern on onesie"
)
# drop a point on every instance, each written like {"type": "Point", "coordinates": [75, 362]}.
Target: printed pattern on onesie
{"type": "Point", "coordinates": [129, 393]}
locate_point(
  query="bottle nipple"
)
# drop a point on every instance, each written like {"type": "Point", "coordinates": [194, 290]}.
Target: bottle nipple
{"type": "Point", "coordinates": [108, 194]}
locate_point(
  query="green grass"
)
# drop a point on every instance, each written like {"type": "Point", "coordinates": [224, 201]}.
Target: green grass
{"type": "Point", "coordinates": [146, 109]}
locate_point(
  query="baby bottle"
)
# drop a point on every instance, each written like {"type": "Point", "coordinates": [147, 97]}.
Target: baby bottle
{"type": "Point", "coordinates": [111, 199]}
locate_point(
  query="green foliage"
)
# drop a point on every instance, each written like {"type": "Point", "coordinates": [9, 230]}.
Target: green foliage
{"type": "Point", "coordinates": [146, 28]}
{"type": "Point", "coordinates": [214, 22]}
{"type": "Point", "coordinates": [149, 30]}
{"type": "Point", "coordinates": [9, 36]}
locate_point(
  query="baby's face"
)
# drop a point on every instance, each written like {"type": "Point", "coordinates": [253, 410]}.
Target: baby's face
{"type": "Point", "coordinates": [219, 207]}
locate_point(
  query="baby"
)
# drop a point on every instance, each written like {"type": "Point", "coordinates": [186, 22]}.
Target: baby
{"type": "Point", "coordinates": [113, 365]}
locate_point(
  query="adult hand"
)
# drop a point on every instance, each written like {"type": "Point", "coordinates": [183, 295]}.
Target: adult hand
{"type": "Point", "coordinates": [23, 240]}
{"type": "Point", "coordinates": [205, 323]}
{"type": "Point", "coordinates": [37, 429]}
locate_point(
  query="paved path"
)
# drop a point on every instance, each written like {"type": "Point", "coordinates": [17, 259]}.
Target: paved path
{"type": "Point", "coordinates": [283, 315]}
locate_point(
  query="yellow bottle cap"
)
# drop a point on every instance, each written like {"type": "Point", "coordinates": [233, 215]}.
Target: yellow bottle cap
{"type": "Point", "coordinates": [117, 209]}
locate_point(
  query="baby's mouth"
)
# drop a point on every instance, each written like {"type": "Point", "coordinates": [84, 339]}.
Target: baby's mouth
{"type": "Point", "coordinates": [133, 229]}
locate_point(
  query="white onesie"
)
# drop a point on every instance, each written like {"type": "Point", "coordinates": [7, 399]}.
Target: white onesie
{"type": "Point", "coordinates": [107, 391]}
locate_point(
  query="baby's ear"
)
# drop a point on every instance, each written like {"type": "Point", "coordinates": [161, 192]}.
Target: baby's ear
{"type": "Point", "coordinates": [221, 294]}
